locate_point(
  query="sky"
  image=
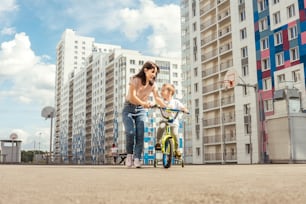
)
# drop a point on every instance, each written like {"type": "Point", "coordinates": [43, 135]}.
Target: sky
{"type": "Point", "coordinates": [30, 31]}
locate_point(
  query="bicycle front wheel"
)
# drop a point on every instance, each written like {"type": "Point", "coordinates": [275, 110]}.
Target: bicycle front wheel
{"type": "Point", "coordinates": [168, 153]}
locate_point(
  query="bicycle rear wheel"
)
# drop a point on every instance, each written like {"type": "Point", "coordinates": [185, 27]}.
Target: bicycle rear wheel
{"type": "Point", "coordinates": [168, 153]}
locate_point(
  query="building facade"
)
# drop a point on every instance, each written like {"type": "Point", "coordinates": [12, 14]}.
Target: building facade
{"type": "Point", "coordinates": [264, 51]}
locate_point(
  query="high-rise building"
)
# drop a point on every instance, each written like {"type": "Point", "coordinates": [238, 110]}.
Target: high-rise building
{"type": "Point", "coordinates": [71, 51]}
{"type": "Point", "coordinates": [261, 44]}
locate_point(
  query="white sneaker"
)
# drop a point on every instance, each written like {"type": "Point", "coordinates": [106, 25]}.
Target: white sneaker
{"type": "Point", "coordinates": [137, 163]}
{"type": "Point", "coordinates": [128, 161]}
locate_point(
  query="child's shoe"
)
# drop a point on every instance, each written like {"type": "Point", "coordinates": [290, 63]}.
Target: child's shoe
{"type": "Point", "coordinates": [157, 146]}
{"type": "Point", "coordinates": [177, 153]}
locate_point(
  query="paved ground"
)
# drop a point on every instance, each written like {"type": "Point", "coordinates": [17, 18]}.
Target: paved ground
{"type": "Point", "coordinates": [117, 184]}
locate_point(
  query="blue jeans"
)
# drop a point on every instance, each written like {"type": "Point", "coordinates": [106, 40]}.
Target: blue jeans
{"type": "Point", "coordinates": [133, 119]}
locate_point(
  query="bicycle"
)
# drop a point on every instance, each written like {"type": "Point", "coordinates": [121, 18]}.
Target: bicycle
{"type": "Point", "coordinates": [167, 141]}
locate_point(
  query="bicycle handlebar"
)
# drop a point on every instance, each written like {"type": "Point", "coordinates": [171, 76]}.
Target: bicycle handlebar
{"type": "Point", "coordinates": [177, 111]}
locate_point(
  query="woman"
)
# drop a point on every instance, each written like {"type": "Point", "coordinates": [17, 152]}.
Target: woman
{"type": "Point", "coordinates": [140, 87]}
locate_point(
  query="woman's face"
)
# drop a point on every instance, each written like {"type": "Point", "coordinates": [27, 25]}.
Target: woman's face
{"type": "Point", "coordinates": [150, 73]}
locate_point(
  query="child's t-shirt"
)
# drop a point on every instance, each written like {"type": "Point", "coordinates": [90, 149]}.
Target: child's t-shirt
{"type": "Point", "coordinates": [174, 104]}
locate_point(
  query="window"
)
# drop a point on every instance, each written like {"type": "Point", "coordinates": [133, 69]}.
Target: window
{"type": "Point", "coordinates": [264, 43]}
{"type": "Point", "coordinates": [195, 87]}
{"type": "Point", "coordinates": [132, 71]}
{"type": "Point", "coordinates": [262, 5]}
{"type": "Point", "coordinates": [246, 109]}
{"type": "Point", "coordinates": [294, 54]}
{"type": "Point", "coordinates": [195, 72]}
{"type": "Point", "coordinates": [247, 148]}
{"type": "Point", "coordinates": [278, 38]}
{"type": "Point", "coordinates": [290, 11]}
{"type": "Point", "coordinates": [245, 70]}
{"type": "Point", "coordinates": [244, 52]}
{"type": "Point", "coordinates": [279, 58]}
{"type": "Point", "coordinates": [276, 18]}
{"type": "Point", "coordinates": [198, 151]}
{"type": "Point", "coordinates": [242, 16]}
{"type": "Point", "coordinates": [196, 103]}
{"type": "Point", "coordinates": [275, 1]}
{"type": "Point", "coordinates": [243, 33]}
{"type": "Point", "coordinates": [296, 76]}
{"type": "Point", "coordinates": [245, 90]}
{"type": "Point", "coordinates": [263, 24]}
{"type": "Point", "coordinates": [265, 64]}
{"type": "Point", "coordinates": [281, 78]}
{"type": "Point", "coordinates": [268, 105]}
{"type": "Point", "coordinates": [292, 32]}
{"type": "Point", "coordinates": [267, 85]}
{"type": "Point", "coordinates": [194, 26]}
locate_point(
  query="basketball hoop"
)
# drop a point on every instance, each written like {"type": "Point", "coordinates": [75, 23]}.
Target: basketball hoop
{"type": "Point", "coordinates": [229, 80]}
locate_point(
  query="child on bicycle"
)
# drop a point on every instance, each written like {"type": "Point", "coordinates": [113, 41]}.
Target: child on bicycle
{"type": "Point", "coordinates": [167, 92]}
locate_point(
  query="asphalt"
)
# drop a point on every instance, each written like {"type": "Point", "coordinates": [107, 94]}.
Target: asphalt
{"type": "Point", "coordinates": [267, 183]}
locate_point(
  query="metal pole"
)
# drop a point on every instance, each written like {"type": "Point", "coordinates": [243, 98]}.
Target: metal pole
{"type": "Point", "coordinates": [12, 150]}
{"type": "Point", "coordinates": [50, 139]}
{"type": "Point", "coordinates": [289, 128]}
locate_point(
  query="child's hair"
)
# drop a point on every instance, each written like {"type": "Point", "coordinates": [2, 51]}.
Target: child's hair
{"type": "Point", "coordinates": [141, 74]}
{"type": "Point", "coordinates": [170, 87]}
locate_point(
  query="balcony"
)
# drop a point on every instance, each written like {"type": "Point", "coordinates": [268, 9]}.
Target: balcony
{"type": "Point", "coordinates": [224, 48]}
{"type": "Point", "coordinates": [229, 117]}
{"type": "Point", "coordinates": [210, 88]}
{"type": "Point", "coordinates": [226, 64]}
{"type": "Point", "coordinates": [211, 104]}
{"type": "Point", "coordinates": [223, 15]}
{"type": "Point", "coordinates": [206, 8]}
{"type": "Point", "coordinates": [209, 39]}
{"type": "Point", "coordinates": [209, 71]}
{"type": "Point", "coordinates": [215, 139]}
{"type": "Point", "coordinates": [228, 100]}
{"type": "Point", "coordinates": [213, 156]}
{"type": "Point", "coordinates": [225, 31]}
{"type": "Point", "coordinates": [209, 55]}
{"type": "Point", "coordinates": [211, 122]}
{"type": "Point", "coordinates": [208, 23]}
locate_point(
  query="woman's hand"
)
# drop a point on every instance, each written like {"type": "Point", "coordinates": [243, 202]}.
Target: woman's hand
{"type": "Point", "coordinates": [146, 105]}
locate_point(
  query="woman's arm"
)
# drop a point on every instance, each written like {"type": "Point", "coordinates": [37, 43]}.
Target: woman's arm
{"type": "Point", "coordinates": [157, 98]}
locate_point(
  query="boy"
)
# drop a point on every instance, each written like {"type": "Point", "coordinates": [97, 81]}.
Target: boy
{"type": "Point", "coordinates": [167, 92]}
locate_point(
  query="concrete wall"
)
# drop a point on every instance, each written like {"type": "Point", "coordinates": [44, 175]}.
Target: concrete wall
{"type": "Point", "coordinates": [282, 145]}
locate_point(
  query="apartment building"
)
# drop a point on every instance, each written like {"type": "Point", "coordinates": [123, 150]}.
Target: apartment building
{"type": "Point", "coordinates": [261, 41]}
{"type": "Point", "coordinates": [72, 51]}
{"type": "Point", "coordinates": [280, 55]}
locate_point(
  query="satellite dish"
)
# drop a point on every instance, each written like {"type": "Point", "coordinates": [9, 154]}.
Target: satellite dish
{"type": "Point", "coordinates": [13, 136]}
{"type": "Point", "coordinates": [47, 112]}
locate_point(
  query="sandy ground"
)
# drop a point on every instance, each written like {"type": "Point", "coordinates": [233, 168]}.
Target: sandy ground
{"type": "Point", "coordinates": [116, 184]}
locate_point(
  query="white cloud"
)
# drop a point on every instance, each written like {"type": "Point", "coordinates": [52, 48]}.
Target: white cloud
{"type": "Point", "coordinates": [7, 6]}
{"type": "Point", "coordinates": [31, 79]}
{"type": "Point", "coordinates": [133, 18]}
{"type": "Point", "coordinates": [8, 31]}
{"type": "Point", "coordinates": [164, 22]}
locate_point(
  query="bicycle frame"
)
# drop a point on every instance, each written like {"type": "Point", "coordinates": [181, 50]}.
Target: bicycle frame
{"type": "Point", "coordinates": [167, 141]}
